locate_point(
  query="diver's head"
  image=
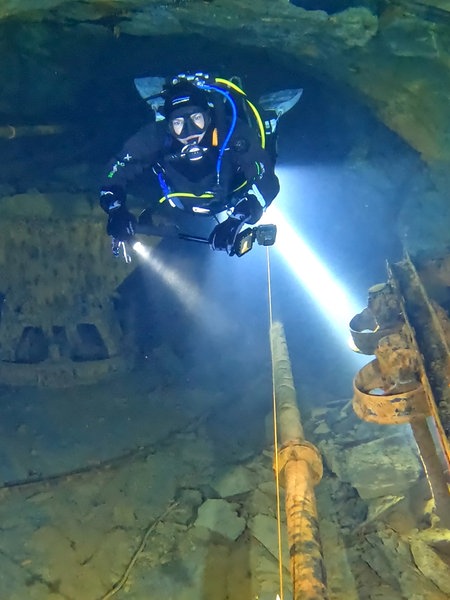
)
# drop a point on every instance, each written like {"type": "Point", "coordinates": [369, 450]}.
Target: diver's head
{"type": "Point", "coordinates": [187, 112]}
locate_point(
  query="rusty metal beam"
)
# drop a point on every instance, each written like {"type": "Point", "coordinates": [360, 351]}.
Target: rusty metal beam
{"type": "Point", "coordinates": [409, 381]}
{"type": "Point", "coordinates": [300, 469]}
{"type": "Point", "coordinates": [432, 341]}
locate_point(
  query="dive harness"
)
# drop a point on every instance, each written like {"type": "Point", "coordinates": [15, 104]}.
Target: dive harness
{"type": "Point", "coordinates": [195, 151]}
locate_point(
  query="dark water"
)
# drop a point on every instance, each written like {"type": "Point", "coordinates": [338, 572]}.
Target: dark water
{"type": "Point", "coordinates": [343, 176]}
{"type": "Point", "coordinates": [195, 321]}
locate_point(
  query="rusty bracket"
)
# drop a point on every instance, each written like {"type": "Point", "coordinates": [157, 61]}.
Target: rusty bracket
{"type": "Point", "coordinates": [366, 331]}
{"type": "Point", "coordinates": [376, 402]}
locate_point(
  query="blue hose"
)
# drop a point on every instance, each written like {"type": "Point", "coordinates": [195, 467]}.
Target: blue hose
{"type": "Point", "coordinates": [232, 126]}
{"type": "Point", "coordinates": [163, 185]}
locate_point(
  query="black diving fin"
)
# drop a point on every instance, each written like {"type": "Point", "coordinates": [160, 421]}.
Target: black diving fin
{"type": "Point", "coordinates": [280, 102]}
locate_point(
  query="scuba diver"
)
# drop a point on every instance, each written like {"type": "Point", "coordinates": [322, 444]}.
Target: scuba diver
{"type": "Point", "coordinates": [208, 157]}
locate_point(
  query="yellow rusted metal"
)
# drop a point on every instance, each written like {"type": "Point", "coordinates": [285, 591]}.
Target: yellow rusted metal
{"type": "Point", "coordinates": [429, 345]}
{"type": "Point", "coordinates": [305, 550]}
{"type": "Point", "coordinates": [387, 405]}
{"type": "Point", "coordinates": [300, 469]}
{"type": "Point", "coordinates": [300, 451]}
{"type": "Point", "coordinates": [395, 387]}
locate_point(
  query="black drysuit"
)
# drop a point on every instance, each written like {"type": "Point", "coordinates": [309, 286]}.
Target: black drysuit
{"type": "Point", "coordinates": [245, 163]}
{"type": "Point", "coordinates": [238, 177]}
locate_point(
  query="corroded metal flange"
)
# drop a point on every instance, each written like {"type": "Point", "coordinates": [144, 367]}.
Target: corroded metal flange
{"type": "Point", "coordinates": [372, 401]}
{"type": "Point", "coordinates": [301, 451]}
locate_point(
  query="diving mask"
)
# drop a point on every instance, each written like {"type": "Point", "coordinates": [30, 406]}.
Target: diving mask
{"type": "Point", "coordinates": [189, 125]}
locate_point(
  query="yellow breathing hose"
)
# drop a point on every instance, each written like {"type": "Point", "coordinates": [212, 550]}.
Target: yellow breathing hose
{"type": "Point", "coordinates": [252, 106]}
{"type": "Point", "coordinates": [262, 133]}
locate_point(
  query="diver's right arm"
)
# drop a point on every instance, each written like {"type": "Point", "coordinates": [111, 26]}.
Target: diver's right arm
{"type": "Point", "coordinates": [140, 152]}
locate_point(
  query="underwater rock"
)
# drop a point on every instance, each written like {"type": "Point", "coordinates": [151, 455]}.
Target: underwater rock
{"type": "Point", "coordinates": [381, 467]}
{"type": "Point", "coordinates": [264, 529]}
{"type": "Point", "coordinates": [430, 563]}
{"type": "Point", "coordinates": [221, 517]}
{"type": "Point", "coordinates": [237, 481]}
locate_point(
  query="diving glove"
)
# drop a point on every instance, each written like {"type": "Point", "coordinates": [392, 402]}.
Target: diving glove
{"type": "Point", "coordinates": [227, 235]}
{"type": "Point", "coordinates": [248, 209]}
{"type": "Point", "coordinates": [112, 198]}
{"type": "Point", "coordinates": [121, 225]}
{"type": "Point", "coordinates": [224, 234]}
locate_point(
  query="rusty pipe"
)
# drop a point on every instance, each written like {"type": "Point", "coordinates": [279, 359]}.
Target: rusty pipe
{"type": "Point", "coordinates": [300, 469]}
{"type": "Point", "coordinates": [305, 549]}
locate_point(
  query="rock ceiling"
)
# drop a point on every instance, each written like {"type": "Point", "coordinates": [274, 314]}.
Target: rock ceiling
{"type": "Point", "coordinates": [393, 54]}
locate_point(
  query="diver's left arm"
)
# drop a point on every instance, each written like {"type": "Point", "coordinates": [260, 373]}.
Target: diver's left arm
{"type": "Point", "coordinates": [257, 166]}
{"type": "Point", "coordinates": [261, 187]}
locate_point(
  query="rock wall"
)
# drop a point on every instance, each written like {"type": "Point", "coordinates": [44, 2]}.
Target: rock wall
{"type": "Point", "coordinates": [395, 54]}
